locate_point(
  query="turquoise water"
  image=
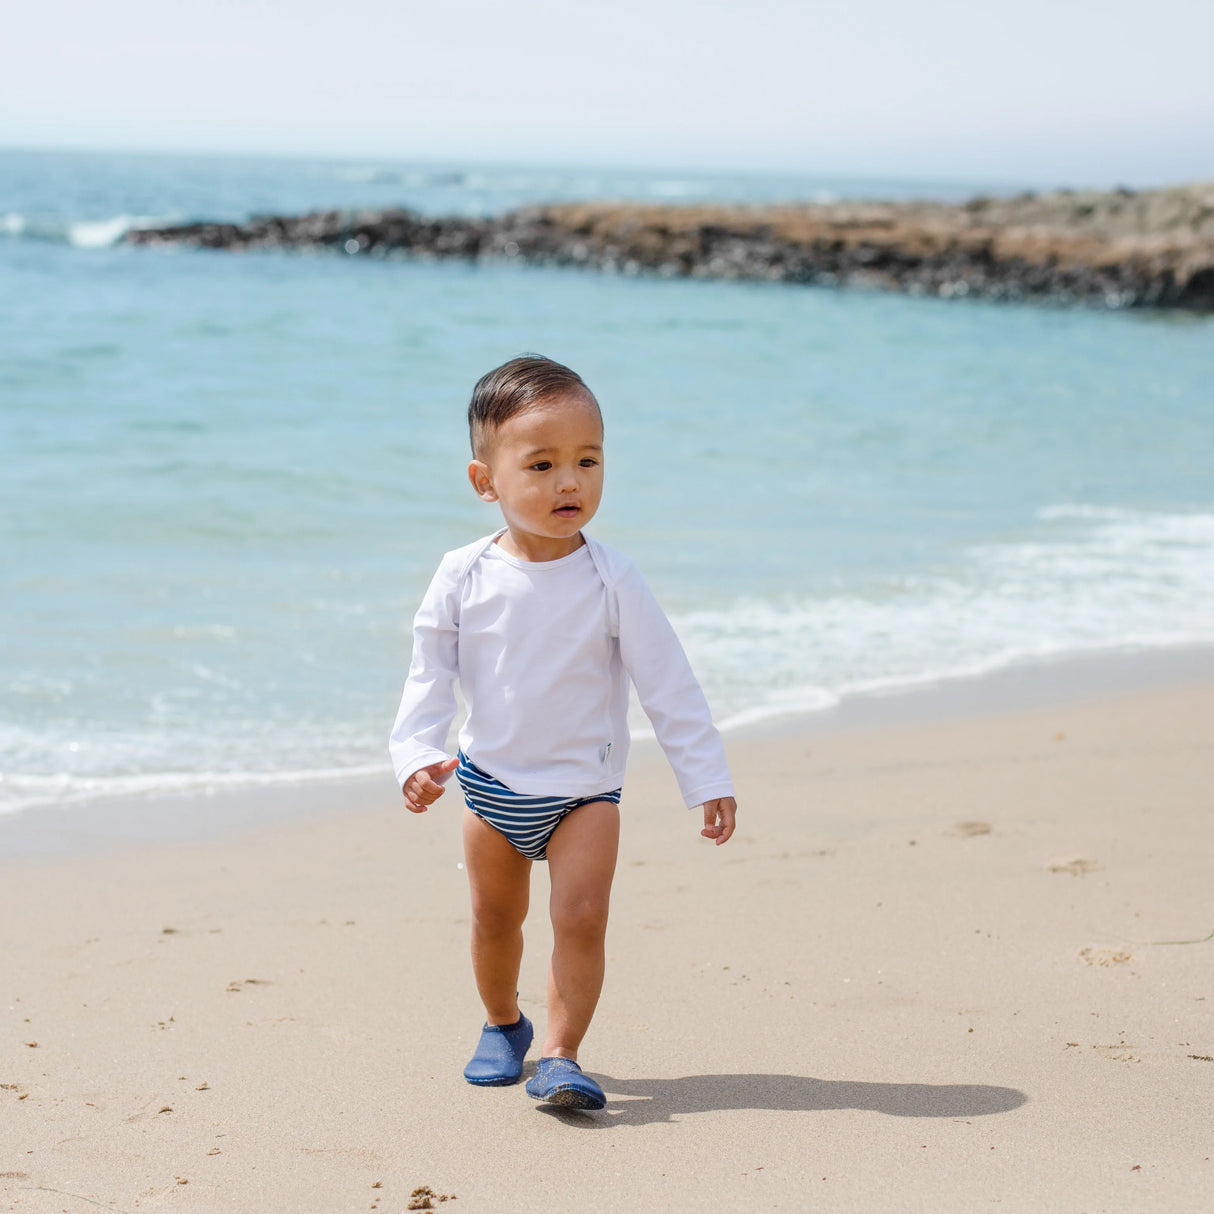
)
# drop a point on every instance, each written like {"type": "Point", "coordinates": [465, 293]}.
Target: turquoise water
{"type": "Point", "coordinates": [227, 478]}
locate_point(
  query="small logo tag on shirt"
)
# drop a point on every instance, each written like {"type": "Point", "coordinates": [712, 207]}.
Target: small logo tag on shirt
{"type": "Point", "coordinates": [607, 752]}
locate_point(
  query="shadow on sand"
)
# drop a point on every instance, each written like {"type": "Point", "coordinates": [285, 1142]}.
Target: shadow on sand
{"type": "Point", "coordinates": [657, 1100]}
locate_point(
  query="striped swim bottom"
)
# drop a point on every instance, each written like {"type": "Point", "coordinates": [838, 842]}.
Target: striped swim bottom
{"type": "Point", "coordinates": [526, 822]}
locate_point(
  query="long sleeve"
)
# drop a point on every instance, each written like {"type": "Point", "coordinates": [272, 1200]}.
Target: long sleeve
{"type": "Point", "coordinates": [427, 706]}
{"type": "Point", "coordinates": [670, 694]}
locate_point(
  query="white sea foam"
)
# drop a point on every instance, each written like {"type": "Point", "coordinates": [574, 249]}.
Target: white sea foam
{"type": "Point", "coordinates": [79, 233]}
{"type": "Point", "coordinates": [20, 792]}
{"type": "Point", "coordinates": [1096, 580]}
{"type": "Point", "coordinates": [100, 233]}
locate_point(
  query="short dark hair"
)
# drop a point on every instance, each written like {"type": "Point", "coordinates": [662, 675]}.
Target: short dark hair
{"type": "Point", "coordinates": [514, 387]}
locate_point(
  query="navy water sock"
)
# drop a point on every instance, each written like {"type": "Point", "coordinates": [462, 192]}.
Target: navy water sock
{"type": "Point", "coordinates": [561, 1081]}
{"type": "Point", "coordinates": [499, 1053]}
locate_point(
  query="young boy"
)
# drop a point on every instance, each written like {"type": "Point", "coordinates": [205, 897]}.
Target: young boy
{"type": "Point", "coordinates": [544, 628]}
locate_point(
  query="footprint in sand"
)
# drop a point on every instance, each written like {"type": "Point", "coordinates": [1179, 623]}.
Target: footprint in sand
{"type": "Point", "coordinates": [238, 984]}
{"type": "Point", "coordinates": [1076, 866]}
{"type": "Point", "coordinates": [970, 830]}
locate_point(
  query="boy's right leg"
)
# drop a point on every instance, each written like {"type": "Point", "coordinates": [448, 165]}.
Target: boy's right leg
{"type": "Point", "coordinates": [500, 882]}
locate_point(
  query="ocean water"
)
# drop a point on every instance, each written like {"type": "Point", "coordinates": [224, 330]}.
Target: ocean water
{"type": "Point", "coordinates": [226, 479]}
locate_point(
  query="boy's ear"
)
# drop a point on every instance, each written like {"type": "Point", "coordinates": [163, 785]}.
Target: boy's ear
{"type": "Point", "coordinates": [482, 480]}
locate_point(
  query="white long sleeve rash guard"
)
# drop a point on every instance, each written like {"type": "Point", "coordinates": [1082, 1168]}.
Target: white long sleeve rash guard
{"type": "Point", "coordinates": [543, 653]}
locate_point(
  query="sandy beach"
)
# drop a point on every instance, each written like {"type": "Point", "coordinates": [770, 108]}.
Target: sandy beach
{"type": "Point", "coordinates": [945, 965]}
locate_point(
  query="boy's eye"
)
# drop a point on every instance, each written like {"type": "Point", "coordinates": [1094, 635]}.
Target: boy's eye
{"type": "Point", "coordinates": [542, 466]}
{"type": "Point", "coordinates": [589, 462]}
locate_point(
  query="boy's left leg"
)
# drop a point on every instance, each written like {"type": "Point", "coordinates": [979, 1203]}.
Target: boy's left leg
{"type": "Point", "coordinates": [581, 864]}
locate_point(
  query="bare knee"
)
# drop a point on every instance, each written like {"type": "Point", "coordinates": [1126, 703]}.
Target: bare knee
{"type": "Point", "coordinates": [582, 917]}
{"type": "Point", "coordinates": [493, 917]}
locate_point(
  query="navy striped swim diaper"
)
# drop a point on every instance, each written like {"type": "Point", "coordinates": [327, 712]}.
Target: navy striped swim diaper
{"type": "Point", "coordinates": [527, 822]}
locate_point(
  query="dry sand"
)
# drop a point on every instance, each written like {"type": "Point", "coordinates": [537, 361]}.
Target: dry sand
{"type": "Point", "coordinates": [942, 967]}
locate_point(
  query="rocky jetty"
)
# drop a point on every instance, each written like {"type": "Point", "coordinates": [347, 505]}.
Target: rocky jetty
{"type": "Point", "coordinates": [1116, 249]}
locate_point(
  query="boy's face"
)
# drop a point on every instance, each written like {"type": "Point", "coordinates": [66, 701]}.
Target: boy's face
{"type": "Point", "coordinates": [544, 468]}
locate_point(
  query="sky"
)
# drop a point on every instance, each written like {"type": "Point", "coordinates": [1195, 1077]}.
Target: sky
{"type": "Point", "coordinates": [1044, 92]}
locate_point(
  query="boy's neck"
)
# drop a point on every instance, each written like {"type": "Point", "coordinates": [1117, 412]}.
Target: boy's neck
{"type": "Point", "coordinates": [538, 548]}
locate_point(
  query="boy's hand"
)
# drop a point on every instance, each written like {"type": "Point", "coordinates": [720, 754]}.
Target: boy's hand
{"type": "Point", "coordinates": [425, 785]}
{"type": "Point", "coordinates": [719, 819]}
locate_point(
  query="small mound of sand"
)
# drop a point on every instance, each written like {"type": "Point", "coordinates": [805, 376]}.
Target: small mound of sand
{"type": "Point", "coordinates": [1105, 956]}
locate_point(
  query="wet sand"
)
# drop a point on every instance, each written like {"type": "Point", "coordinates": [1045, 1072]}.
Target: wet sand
{"type": "Point", "coordinates": [945, 965]}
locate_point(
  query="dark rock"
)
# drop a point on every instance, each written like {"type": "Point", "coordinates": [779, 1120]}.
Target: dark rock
{"type": "Point", "coordinates": [1116, 249]}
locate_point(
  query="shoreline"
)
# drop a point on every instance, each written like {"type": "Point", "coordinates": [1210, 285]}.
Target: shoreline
{"type": "Point", "coordinates": [1025, 685]}
{"type": "Point", "coordinates": [1113, 249]}
{"type": "Point", "coordinates": [121, 822]}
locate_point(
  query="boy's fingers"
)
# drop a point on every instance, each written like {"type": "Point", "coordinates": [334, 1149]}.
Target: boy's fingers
{"type": "Point", "coordinates": [424, 786]}
{"type": "Point", "coordinates": [433, 778]}
{"type": "Point", "coordinates": [719, 817]}
{"type": "Point", "coordinates": [411, 802]}
{"type": "Point", "coordinates": [428, 790]}
{"type": "Point", "coordinates": [728, 814]}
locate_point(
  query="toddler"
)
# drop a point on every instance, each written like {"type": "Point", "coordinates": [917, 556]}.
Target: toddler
{"type": "Point", "coordinates": [544, 627]}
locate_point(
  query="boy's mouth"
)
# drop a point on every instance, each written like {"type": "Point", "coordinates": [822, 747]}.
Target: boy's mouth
{"type": "Point", "coordinates": [568, 511]}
